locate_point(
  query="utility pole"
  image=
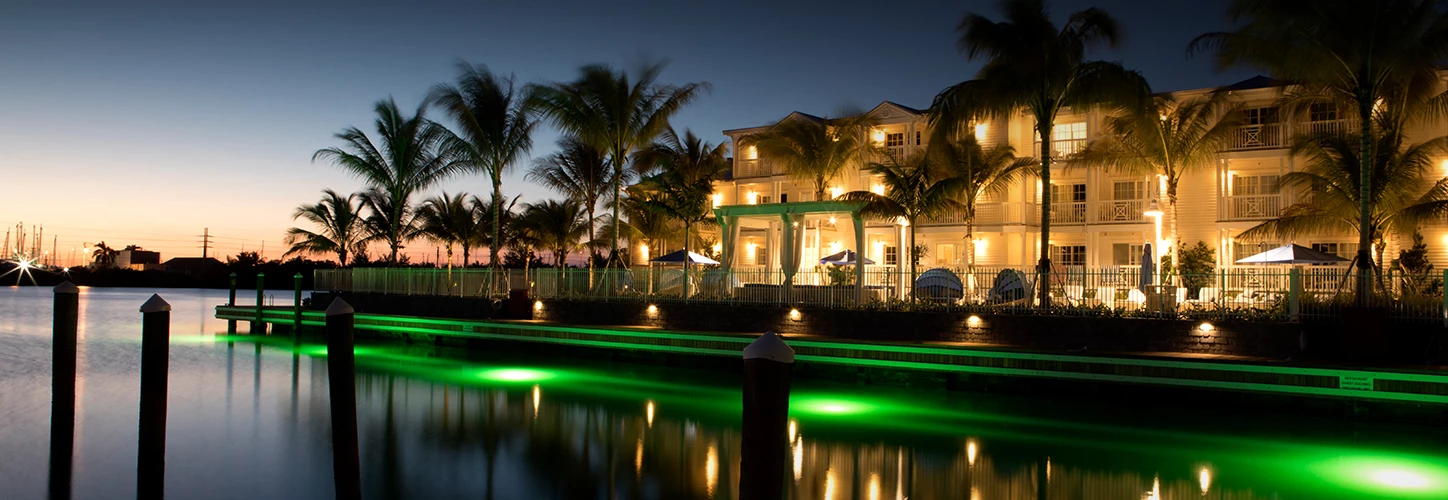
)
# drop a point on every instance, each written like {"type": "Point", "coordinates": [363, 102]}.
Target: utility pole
{"type": "Point", "coordinates": [53, 239]}
{"type": "Point", "coordinates": [262, 254]}
{"type": "Point", "coordinates": [6, 251]}
{"type": "Point", "coordinates": [205, 242]}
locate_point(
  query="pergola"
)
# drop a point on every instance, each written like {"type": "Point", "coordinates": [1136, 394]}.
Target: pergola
{"type": "Point", "coordinates": [789, 214]}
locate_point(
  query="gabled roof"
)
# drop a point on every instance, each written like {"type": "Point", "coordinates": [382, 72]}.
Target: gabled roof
{"type": "Point", "coordinates": [1256, 82]}
{"type": "Point", "coordinates": [793, 115]}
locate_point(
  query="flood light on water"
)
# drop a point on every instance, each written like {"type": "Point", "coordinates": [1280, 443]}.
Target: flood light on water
{"type": "Point", "coordinates": [970, 450]}
{"type": "Point", "coordinates": [1204, 479]}
{"type": "Point", "coordinates": [516, 375]}
{"type": "Point", "coordinates": [1398, 476]}
{"type": "Point", "coordinates": [649, 412]}
{"type": "Point", "coordinates": [830, 406]}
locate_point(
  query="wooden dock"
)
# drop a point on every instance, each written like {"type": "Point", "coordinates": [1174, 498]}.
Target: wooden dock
{"type": "Point", "coordinates": [1410, 386]}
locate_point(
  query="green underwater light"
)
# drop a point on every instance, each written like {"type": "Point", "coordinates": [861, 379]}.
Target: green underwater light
{"type": "Point", "coordinates": [1388, 476]}
{"type": "Point", "coordinates": [516, 375]}
{"type": "Point", "coordinates": [830, 406]}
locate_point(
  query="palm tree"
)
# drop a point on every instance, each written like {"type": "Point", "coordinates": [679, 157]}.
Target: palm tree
{"type": "Point", "coordinates": [388, 222]}
{"type": "Point", "coordinates": [1379, 55]}
{"type": "Point", "coordinates": [558, 225]}
{"type": "Point", "coordinates": [452, 220]}
{"type": "Point", "coordinates": [1407, 190]}
{"type": "Point", "coordinates": [495, 223]}
{"type": "Point", "coordinates": [494, 129]}
{"type": "Point", "coordinates": [814, 151]}
{"type": "Point", "coordinates": [615, 113]}
{"type": "Point", "coordinates": [644, 222]}
{"type": "Point", "coordinates": [340, 227]}
{"type": "Point", "coordinates": [689, 166]}
{"type": "Point", "coordinates": [1165, 137]}
{"type": "Point", "coordinates": [579, 171]}
{"type": "Point", "coordinates": [916, 188]}
{"type": "Point", "coordinates": [976, 171]}
{"type": "Point", "coordinates": [407, 159]}
{"type": "Point", "coordinates": [1032, 64]}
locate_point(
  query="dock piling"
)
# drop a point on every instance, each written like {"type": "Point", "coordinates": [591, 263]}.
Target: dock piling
{"type": "Point", "coordinates": [764, 441]}
{"type": "Point", "coordinates": [155, 360]}
{"type": "Point", "coordinates": [341, 377]}
{"type": "Point", "coordinates": [297, 305]}
{"type": "Point", "coordinates": [231, 301]}
{"type": "Point", "coordinates": [62, 388]}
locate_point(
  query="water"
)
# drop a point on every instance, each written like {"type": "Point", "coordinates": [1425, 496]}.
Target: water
{"type": "Point", "coordinates": [248, 418]}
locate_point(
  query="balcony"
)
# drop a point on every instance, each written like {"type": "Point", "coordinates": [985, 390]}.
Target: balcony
{"type": "Point", "coordinates": [1068, 213]}
{"type": "Point", "coordinates": [1061, 148]}
{"type": "Point", "coordinates": [988, 214]}
{"type": "Point", "coordinates": [1255, 207]}
{"type": "Point", "coordinates": [1264, 136]}
{"type": "Point", "coordinates": [1324, 126]}
{"type": "Point", "coordinates": [755, 168]}
{"type": "Point", "coordinates": [1110, 211]}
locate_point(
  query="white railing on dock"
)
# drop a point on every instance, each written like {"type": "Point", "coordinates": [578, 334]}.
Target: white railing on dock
{"type": "Point", "coordinates": [1262, 292]}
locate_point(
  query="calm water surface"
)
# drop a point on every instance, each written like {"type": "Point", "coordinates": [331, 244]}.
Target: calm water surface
{"type": "Point", "coordinates": [248, 418]}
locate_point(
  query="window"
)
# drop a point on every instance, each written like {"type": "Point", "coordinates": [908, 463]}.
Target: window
{"type": "Point", "coordinates": [892, 255]}
{"type": "Point", "coordinates": [1260, 116]}
{"type": "Point", "coordinates": [761, 255]}
{"type": "Point", "coordinates": [1243, 250]}
{"type": "Point", "coordinates": [1126, 254]}
{"type": "Point", "coordinates": [1322, 111]}
{"type": "Point", "coordinates": [1068, 193]}
{"type": "Point", "coordinates": [1068, 255]}
{"type": "Point", "coordinates": [1128, 190]}
{"type": "Point", "coordinates": [895, 140]}
{"type": "Point", "coordinates": [1068, 138]}
{"type": "Point", "coordinates": [783, 198]}
{"type": "Point", "coordinates": [763, 199]}
{"type": "Point", "coordinates": [917, 137]}
{"type": "Point", "coordinates": [805, 196]}
{"type": "Point", "coordinates": [1253, 185]}
{"type": "Point", "coordinates": [945, 254]}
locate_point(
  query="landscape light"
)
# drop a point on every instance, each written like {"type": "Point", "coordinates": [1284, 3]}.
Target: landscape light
{"type": "Point", "coordinates": [1205, 327]}
{"type": "Point", "coordinates": [537, 305]}
{"type": "Point", "coordinates": [973, 321]}
{"type": "Point", "coordinates": [794, 314]}
{"type": "Point", "coordinates": [653, 310]}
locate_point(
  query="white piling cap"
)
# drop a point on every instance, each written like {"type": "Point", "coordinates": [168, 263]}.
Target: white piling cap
{"type": "Point", "coordinates": [155, 304]}
{"type": "Point", "coordinates": [769, 346]}
{"type": "Point", "coordinates": [338, 307]}
{"type": "Point", "coordinates": [66, 287]}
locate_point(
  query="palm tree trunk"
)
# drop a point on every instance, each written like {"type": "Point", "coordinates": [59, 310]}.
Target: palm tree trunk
{"type": "Point", "coordinates": [1043, 267]}
{"type": "Point", "coordinates": [1176, 242]}
{"type": "Point", "coordinates": [686, 259]}
{"type": "Point", "coordinates": [970, 246]}
{"type": "Point", "coordinates": [342, 257]}
{"type": "Point", "coordinates": [466, 247]}
{"type": "Point", "coordinates": [1365, 163]}
{"type": "Point", "coordinates": [591, 242]}
{"type": "Point", "coordinates": [497, 220]}
{"type": "Point", "coordinates": [913, 259]}
{"type": "Point", "coordinates": [618, 157]}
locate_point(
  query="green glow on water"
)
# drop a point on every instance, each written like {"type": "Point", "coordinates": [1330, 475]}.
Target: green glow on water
{"type": "Point", "coordinates": [517, 375]}
{"type": "Point", "coordinates": [1394, 476]}
{"type": "Point", "coordinates": [830, 406]}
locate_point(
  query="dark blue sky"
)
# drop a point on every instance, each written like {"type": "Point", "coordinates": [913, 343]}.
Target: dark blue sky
{"type": "Point", "coordinates": [209, 116]}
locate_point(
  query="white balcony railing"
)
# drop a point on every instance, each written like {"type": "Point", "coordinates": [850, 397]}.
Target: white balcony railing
{"type": "Point", "coordinates": [1119, 211]}
{"type": "Point", "coordinates": [1068, 213]}
{"type": "Point", "coordinates": [1256, 137]}
{"type": "Point", "coordinates": [1256, 207]}
{"type": "Point", "coordinates": [1322, 126]}
{"type": "Point", "coordinates": [1061, 149]}
{"type": "Point", "coordinates": [754, 168]}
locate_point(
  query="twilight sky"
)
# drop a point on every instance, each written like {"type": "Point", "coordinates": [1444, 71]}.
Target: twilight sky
{"type": "Point", "coordinates": [146, 122]}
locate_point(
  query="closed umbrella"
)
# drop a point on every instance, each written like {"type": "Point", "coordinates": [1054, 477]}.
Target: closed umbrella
{"type": "Point", "coordinates": [1148, 269]}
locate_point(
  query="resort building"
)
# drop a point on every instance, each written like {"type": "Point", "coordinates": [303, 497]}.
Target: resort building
{"type": "Point", "coordinates": [1100, 219]}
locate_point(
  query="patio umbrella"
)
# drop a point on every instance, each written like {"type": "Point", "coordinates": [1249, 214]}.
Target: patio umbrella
{"type": "Point", "coordinates": [679, 257]}
{"type": "Point", "coordinates": [1148, 269]}
{"type": "Point", "coordinates": [845, 258]}
{"type": "Point", "coordinates": [1292, 254]}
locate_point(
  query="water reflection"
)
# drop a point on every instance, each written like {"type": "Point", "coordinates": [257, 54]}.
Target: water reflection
{"type": "Point", "coordinates": [443, 423]}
